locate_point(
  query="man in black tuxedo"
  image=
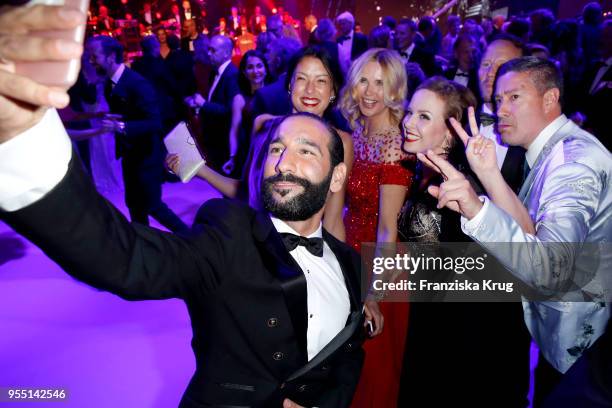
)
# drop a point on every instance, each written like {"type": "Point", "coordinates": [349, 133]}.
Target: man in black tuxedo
{"type": "Point", "coordinates": [597, 90]}
{"type": "Point", "coordinates": [215, 109]}
{"type": "Point", "coordinates": [138, 133]}
{"type": "Point", "coordinates": [412, 51]}
{"type": "Point", "coordinates": [503, 48]}
{"type": "Point", "coordinates": [464, 67]}
{"type": "Point", "coordinates": [350, 44]}
{"type": "Point", "coordinates": [274, 98]}
{"type": "Point", "coordinates": [273, 298]}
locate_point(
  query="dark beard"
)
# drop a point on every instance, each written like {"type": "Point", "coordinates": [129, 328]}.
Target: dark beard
{"type": "Point", "coordinates": [302, 206]}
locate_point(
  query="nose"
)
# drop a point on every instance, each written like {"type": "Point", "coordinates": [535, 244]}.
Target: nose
{"type": "Point", "coordinates": [502, 108]}
{"type": "Point", "coordinates": [285, 163]}
{"type": "Point", "coordinates": [309, 87]}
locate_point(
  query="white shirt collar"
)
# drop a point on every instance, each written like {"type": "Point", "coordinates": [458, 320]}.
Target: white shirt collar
{"type": "Point", "coordinates": [222, 67]}
{"type": "Point", "coordinates": [281, 226]}
{"type": "Point", "coordinates": [117, 75]}
{"type": "Point", "coordinates": [540, 141]}
{"type": "Point", "coordinates": [486, 109]}
{"type": "Point", "coordinates": [409, 49]}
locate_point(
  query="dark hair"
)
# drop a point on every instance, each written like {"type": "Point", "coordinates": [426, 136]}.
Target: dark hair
{"type": "Point", "coordinates": [379, 37]}
{"type": "Point", "coordinates": [389, 21]}
{"type": "Point", "coordinates": [592, 13]}
{"type": "Point", "coordinates": [148, 44]}
{"type": "Point", "coordinates": [426, 23]}
{"type": "Point", "coordinates": [330, 64]}
{"type": "Point", "coordinates": [519, 27]}
{"type": "Point", "coordinates": [544, 74]}
{"type": "Point", "coordinates": [411, 24]}
{"type": "Point", "coordinates": [110, 46]}
{"type": "Point", "coordinates": [243, 81]}
{"type": "Point", "coordinates": [514, 40]}
{"type": "Point", "coordinates": [414, 78]}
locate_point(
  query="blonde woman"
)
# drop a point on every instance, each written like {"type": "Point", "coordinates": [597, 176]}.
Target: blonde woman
{"type": "Point", "coordinates": [373, 102]}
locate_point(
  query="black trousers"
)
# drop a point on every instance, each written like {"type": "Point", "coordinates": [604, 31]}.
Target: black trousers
{"type": "Point", "coordinates": [143, 192]}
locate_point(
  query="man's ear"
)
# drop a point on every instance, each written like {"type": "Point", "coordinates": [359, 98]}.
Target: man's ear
{"type": "Point", "coordinates": [551, 99]}
{"type": "Point", "coordinates": [338, 178]}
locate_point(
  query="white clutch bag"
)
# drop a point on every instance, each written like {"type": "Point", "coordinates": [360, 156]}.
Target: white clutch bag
{"type": "Point", "coordinates": [179, 141]}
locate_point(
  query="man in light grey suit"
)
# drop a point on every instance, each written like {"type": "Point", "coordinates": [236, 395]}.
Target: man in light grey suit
{"type": "Point", "coordinates": [568, 198]}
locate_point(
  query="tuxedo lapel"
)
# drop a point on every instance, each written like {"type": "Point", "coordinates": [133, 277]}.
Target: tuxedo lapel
{"type": "Point", "coordinates": [292, 280]}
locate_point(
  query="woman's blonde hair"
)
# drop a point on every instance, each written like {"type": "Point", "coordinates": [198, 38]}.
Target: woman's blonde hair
{"type": "Point", "coordinates": [394, 85]}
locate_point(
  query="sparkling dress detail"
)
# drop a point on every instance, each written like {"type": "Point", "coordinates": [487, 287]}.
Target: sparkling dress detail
{"type": "Point", "coordinates": [379, 160]}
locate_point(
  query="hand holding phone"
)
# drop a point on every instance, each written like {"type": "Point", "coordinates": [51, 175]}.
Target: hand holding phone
{"type": "Point", "coordinates": [56, 73]}
{"type": "Point", "coordinates": [24, 95]}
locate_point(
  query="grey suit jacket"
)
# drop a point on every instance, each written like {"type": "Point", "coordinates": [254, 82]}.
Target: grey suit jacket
{"type": "Point", "coordinates": [569, 197]}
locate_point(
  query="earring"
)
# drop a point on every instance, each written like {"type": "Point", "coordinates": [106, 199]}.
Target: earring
{"type": "Point", "coordinates": [332, 99]}
{"type": "Point", "coordinates": [289, 91]}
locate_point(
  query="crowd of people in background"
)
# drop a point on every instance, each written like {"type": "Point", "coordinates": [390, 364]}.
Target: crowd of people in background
{"type": "Point", "coordinates": [391, 94]}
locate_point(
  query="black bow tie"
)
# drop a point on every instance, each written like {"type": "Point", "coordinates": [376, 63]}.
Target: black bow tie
{"type": "Point", "coordinates": [313, 245]}
{"type": "Point", "coordinates": [343, 39]}
{"type": "Point", "coordinates": [487, 119]}
{"type": "Point", "coordinates": [463, 74]}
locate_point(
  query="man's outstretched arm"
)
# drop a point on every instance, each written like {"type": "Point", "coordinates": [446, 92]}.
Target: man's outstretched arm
{"type": "Point", "coordinates": [45, 195]}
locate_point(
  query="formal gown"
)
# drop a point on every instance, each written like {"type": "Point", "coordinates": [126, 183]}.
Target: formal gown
{"type": "Point", "coordinates": [105, 167]}
{"type": "Point", "coordinates": [458, 354]}
{"type": "Point", "coordinates": [378, 161]}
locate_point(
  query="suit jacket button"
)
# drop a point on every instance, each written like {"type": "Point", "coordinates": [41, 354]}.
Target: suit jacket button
{"type": "Point", "coordinates": [302, 388]}
{"type": "Point", "coordinates": [272, 322]}
{"type": "Point", "coordinates": [278, 356]}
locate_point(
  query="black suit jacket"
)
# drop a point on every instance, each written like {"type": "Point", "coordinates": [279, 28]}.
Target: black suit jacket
{"type": "Point", "coordinates": [273, 99]}
{"type": "Point", "coordinates": [248, 310]}
{"type": "Point", "coordinates": [136, 100]}
{"type": "Point", "coordinates": [216, 115]}
{"type": "Point", "coordinates": [426, 60]}
{"type": "Point", "coordinates": [157, 72]}
{"type": "Point", "coordinates": [473, 83]}
{"type": "Point", "coordinates": [360, 45]}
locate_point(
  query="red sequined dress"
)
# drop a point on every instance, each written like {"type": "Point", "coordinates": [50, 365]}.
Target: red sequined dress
{"type": "Point", "coordinates": [379, 160]}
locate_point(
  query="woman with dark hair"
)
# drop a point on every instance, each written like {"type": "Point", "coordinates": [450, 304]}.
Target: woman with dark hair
{"type": "Point", "coordinates": [467, 348]}
{"type": "Point", "coordinates": [313, 81]}
{"type": "Point", "coordinates": [252, 75]}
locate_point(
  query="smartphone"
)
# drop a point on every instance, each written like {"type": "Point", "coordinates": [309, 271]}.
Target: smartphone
{"type": "Point", "coordinates": [53, 73]}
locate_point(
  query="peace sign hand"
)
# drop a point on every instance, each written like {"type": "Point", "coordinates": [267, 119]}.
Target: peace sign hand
{"type": "Point", "coordinates": [455, 192]}
{"type": "Point", "coordinates": [479, 150]}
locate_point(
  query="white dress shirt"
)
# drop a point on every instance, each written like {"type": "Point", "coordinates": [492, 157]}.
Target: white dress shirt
{"type": "Point", "coordinates": [34, 162]}
{"type": "Point", "coordinates": [408, 52]}
{"type": "Point", "coordinates": [328, 298]}
{"type": "Point", "coordinates": [220, 72]}
{"type": "Point", "coordinates": [461, 77]}
{"type": "Point", "coordinates": [117, 75]}
{"type": "Point", "coordinates": [489, 132]}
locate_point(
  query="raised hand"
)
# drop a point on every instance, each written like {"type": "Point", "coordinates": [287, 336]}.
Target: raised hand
{"type": "Point", "coordinates": [455, 192]}
{"type": "Point", "coordinates": [23, 101]}
{"type": "Point", "coordinates": [479, 150]}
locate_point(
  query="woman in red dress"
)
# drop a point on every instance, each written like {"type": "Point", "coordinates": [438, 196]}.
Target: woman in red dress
{"type": "Point", "coordinates": [373, 102]}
